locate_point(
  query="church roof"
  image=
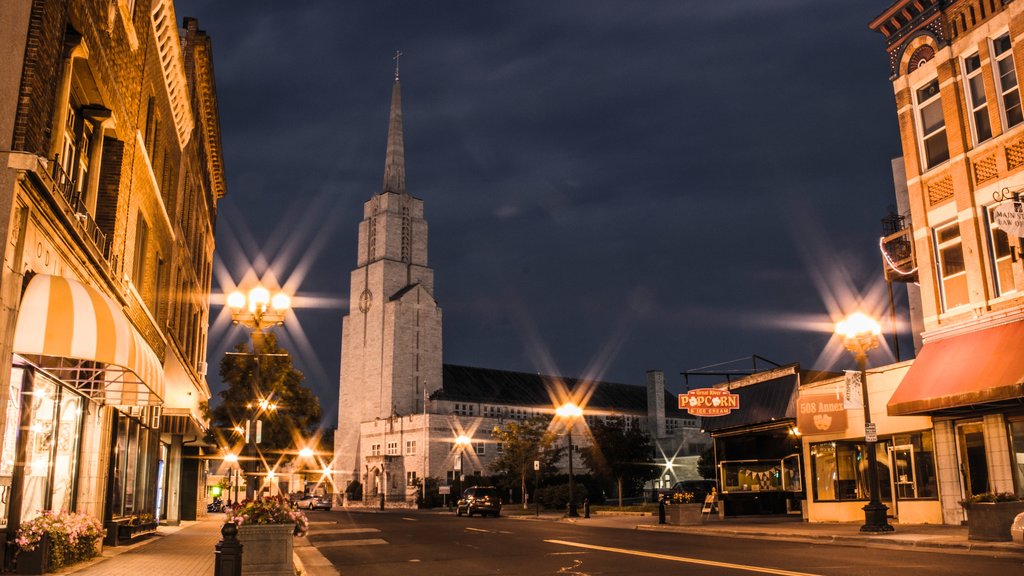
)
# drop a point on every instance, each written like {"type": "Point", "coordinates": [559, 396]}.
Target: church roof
{"type": "Point", "coordinates": [490, 386]}
{"type": "Point", "coordinates": [394, 162]}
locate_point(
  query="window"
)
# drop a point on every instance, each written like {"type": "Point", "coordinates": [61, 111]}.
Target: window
{"type": "Point", "coordinates": [913, 464]}
{"type": "Point", "coordinates": [479, 448]}
{"type": "Point", "coordinates": [934, 148]}
{"type": "Point", "coordinates": [410, 447]}
{"type": "Point", "coordinates": [375, 450]}
{"type": "Point", "coordinates": [410, 478]}
{"type": "Point", "coordinates": [392, 448]}
{"type": "Point", "coordinates": [1006, 75]}
{"type": "Point", "coordinates": [1002, 256]}
{"type": "Point", "coordinates": [139, 262]}
{"type": "Point", "coordinates": [949, 252]}
{"type": "Point", "coordinates": [976, 98]}
{"type": "Point", "coordinates": [1017, 455]}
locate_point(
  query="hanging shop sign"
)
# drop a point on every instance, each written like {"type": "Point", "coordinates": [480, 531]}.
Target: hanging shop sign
{"type": "Point", "coordinates": [709, 402]}
{"type": "Point", "coordinates": [1010, 218]}
{"type": "Point", "coordinates": [820, 414]}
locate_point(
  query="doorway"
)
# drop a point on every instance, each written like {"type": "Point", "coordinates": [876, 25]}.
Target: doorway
{"type": "Point", "coordinates": [970, 441]}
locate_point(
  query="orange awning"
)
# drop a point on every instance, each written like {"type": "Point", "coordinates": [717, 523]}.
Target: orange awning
{"type": "Point", "coordinates": [80, 336]}
{"type": "Point", "coordinates": [974, 368]}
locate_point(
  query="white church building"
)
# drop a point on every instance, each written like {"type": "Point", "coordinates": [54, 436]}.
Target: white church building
{"type": "Point", "coordinates": [400, 409]}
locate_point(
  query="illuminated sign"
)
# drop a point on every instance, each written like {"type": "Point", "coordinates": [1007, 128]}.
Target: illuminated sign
{"type": "Point", "coordinates": [820, 414]}
{"type": "Point", "coordinates": [709, 402]}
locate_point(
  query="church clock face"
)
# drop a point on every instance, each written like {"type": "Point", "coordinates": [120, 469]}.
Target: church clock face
{"type": "Point", "coordinates": [365, 299]}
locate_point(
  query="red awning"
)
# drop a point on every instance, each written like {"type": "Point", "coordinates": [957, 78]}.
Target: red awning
{"type": "Point", "coordinates": [974, 368]}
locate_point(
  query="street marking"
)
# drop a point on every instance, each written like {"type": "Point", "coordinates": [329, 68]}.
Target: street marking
{"type": "Point", "coordinates": [478, 530]}
{"type": "Point", "coordinates": [566, 553]}
{"type": "Point", "coordinates": [364, 542]}
{"type": "Point", "coordinates": [410, 519]}
{"type": "Point", "coordinates": [320, 522]}
{"type": "Point", "coordinates": [683, 559]}
{"type": "Point", "coordinates": [343, 531]}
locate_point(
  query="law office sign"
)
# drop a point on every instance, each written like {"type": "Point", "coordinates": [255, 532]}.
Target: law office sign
{"type": "Point", "coordinates": [1010, 218]}
{"type": "Point", "coordinates": [820, 414]}
{"type": "Point", "coordinates": [709, 402]}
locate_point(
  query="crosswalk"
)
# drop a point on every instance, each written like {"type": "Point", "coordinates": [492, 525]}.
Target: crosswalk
{"type": "Point", "coordinates": [328, 535]}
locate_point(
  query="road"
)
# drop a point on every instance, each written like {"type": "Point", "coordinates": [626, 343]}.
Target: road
{"type": "Point", "coordinates": [426, 544]}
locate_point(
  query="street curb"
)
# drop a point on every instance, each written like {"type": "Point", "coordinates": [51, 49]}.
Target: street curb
{"type": "Point", "coordinates": [862, 541]}
{"type": "Point", "coordinates": [309, 561]}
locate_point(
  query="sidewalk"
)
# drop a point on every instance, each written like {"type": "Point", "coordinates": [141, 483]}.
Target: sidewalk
{"type": "Point", "coordinates": [936, 538]}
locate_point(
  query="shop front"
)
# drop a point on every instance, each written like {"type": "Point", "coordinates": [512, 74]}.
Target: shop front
{"type": "Point", "coordinates": [971, 383]}
{"type": "Point", "coordinates": [757, 445]}
{"type": "Point", "coordinates": [835, 451]}
{"type": "Point", "coordinates": [80, 376]}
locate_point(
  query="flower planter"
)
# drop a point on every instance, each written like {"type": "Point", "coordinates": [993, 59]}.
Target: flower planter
{"type": "Point", "coordinates": [685, 514]}
{"type": "Point", "coordinates": [34, 561]}
{"type": "Point", "coordinates": [991, 521]}
{"type": "Point", "coordinates": [122, 533]}
{"type": "Point", "coordinates": [266, 549]}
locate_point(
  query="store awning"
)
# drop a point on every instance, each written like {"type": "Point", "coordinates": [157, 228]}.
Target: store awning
{"type": "Point", "coordinates": [80, 336]}
{"type": "Point", "coordinates": [975, 368]}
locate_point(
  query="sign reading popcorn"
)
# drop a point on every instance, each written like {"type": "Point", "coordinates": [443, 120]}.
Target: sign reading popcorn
{"type": "Point", "coordinates": [709, 402]}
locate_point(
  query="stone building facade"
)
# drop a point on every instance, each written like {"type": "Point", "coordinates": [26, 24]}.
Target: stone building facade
{"type": "Point", "coordinates": [401, 410]}
{"type": "Point", "coordinates": [110, 173]}
{"type": "Point", "coordinates": [954, 69]}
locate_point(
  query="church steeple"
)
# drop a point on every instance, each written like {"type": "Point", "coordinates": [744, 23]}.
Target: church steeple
{"type": "Point", "coordinates": [394, 162]}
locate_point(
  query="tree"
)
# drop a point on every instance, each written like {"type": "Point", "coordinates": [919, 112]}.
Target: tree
{"type": "Point", "coordinates": [268, 375]}
{"type": "Point", "coordinates": [706, 463]}
{"type": "Point", "coordinates": [619, 453]}
{"type": "Point", "coordinates": [522, 443]}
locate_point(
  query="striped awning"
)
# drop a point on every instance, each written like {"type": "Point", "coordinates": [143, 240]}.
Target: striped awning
{"type": "Point", "coordinates": [83, 338]}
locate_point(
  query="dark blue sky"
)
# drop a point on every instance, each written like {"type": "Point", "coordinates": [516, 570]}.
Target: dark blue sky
{"type": "Point", "coordinates": [611, 187]}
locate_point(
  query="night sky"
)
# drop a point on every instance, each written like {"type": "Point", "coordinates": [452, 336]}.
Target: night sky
{"type": "Point", "coordinates": [611, 187]}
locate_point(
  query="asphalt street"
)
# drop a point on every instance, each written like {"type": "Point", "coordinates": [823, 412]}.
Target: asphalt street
{"type": "Point", "coordinates": [429, 543]}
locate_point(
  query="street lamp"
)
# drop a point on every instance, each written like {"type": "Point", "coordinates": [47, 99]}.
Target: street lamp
{"type": "Point", "coordinates": [570, 412]}
{"type": "Point", "coordinates": [256, 311]}
{"type": "Point", "coordinates": [232, 460]}
{"type": "Point", "coordinates": [462, 442]}
{"type": "Point", "coordinates": [860, 334]}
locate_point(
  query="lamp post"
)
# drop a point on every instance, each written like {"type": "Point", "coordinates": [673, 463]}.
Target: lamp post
{"type": "Point", "coordinates": [256, 311]}
{"type": "Point", "coordinates": [461, 442]}
{"type": "Point", "coordinates": [570, 412]}
{"type": "Point", "coordinates": [860, 334]}
{"type": "Point", "coordinates": [232, 459]}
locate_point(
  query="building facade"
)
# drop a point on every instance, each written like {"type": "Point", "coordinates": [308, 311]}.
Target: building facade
{"type": "Point", "coordinates": [401, 410]}
{"type": "Point", "coordinates": [110, 172]}
{"type": "Point", "coordinates": [954, 68]}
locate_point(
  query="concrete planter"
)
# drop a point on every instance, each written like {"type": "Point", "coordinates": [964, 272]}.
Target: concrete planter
{"type": "Point", "coordinates": [991, 521]}
{"type": "Point", "coordinates": [685, 514]}
{"type": "Point", "coordinates": [267, 549]}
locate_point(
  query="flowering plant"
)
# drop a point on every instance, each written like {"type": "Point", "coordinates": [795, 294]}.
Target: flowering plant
{"type": "Point", "coordinates": [269, 510]}
{"type": "Point", "coordinates": [72, 535]}
{"type": "Point", "coordinates": [682, 497]}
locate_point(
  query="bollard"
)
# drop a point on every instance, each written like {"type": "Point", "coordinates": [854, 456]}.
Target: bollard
{"type": "Point", "coordinates": [381, 501]}
{"type": "Point", "coordinates": [228, 554]}
{"type": "Point", "coordinates": [586, 507]}
{"type": "Point", "coordinates": [661, 511]}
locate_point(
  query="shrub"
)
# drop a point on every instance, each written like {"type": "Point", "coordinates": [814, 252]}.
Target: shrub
{"type": "Point", "coordinates": [72, 536]}
{"type": "Point", "coordinates": [270, 510]}
{"type": "Point", "coordinates": [991, 497]}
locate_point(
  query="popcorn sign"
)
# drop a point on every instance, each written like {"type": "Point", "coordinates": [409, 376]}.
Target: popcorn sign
{"type": "Point", "coordinates": [709, 402]}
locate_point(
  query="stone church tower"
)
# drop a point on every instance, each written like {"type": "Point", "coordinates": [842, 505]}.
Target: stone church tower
{"type": "Point", "coordinates": [391, 337]}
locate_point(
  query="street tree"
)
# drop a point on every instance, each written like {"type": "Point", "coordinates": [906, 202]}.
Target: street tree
{"type": "Point", "coordinates": [523, 443]}
{"type": "Point", "coordinates": [292, 411]}
{"type": "Point", "coordinates": [619, 453]}
{"type": "Point", "coordinates": [706, 464]}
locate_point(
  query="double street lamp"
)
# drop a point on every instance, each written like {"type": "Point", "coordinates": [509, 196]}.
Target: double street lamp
{"type": "Point", "coordinates": [570, 412]}
{"type": "Point", "coordinates": [860, 334]}
{"type": "Point", "coordinates": [257, 310]}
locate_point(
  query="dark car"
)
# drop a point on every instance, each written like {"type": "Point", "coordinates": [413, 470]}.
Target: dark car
{"type": "Point", "coordinates": [482, 500]}
{"type": "Point", "coordinates": [313, 502]}
{"type": "Point", "coordinates": [699, 488]}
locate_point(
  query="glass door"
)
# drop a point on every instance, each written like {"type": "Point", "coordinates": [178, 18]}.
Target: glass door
{"type": "Point", "coordinates": [970, 440]}
{"type": "Point", "coordinates": [901, 459]}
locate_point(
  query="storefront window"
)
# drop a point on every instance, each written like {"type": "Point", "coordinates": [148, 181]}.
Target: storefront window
{"type": "Point", "coordinates": [42, 403]}
{"type": "Point", "coordinates": [65, 460]}
{"type": "Point", "coordinates": [9, 452]}
{"type": "Point", "coordinates": [913, 464]}
{"type": "Point", "coordinates": [133, 468]}
{"type": "Point", "coordinates": [751, 475]}
{"type": "Point", "coordinates": [1017, 455]}
{"type": "Point", "coordinates": [841, 468]}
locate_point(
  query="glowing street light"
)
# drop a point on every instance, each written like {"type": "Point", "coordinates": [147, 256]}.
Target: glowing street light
{"type": "Point", "coordinates": [306, 452]}
{"type": "Point", "coordinates": [570, 412]}
{"type": "Point", "coordinates": [231, 458]}
{"type": "Point", "coordinates": [860, 334]}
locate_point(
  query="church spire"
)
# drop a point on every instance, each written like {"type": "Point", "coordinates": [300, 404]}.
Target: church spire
{"type": "Point", "coordinates": [394, 162]}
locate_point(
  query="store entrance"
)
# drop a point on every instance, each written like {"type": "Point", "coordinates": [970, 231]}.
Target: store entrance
{"type": "Point", "coordinates": [970, 440]}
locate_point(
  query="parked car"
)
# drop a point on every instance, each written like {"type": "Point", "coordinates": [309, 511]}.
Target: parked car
{"type": "Point", "coordinates": [482, 500]}
{"type": "Point", "coordinates": [313, 502]}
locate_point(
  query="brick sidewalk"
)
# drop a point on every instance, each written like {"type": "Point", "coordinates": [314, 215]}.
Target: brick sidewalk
{"type": "Point", "coordinates": [186, 549]}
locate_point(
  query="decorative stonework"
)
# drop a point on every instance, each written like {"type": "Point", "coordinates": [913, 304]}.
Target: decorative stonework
{"type": "Point", "coordinates": [940, 189]}
{"type": "Point", "coordinates": [1015, 154]}
{"type": "Point", "coordinates": [920, 56]}
{"type": "Point", "coordinates": [985, 169]}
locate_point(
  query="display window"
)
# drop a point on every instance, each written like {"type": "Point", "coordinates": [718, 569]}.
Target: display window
{"type": "Point", "coordinates": [1017, 453]}
{"type": "Point", "coordinates": [906, 465]}
{"type": "Point", "coordinates": [133, 467]}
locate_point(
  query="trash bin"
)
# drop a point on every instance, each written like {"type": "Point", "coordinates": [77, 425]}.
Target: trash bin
{"type": "Point", "coordinates": [1017, 529]}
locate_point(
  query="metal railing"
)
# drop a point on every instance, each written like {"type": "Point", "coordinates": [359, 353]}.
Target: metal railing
{"type": "Point", "coordinates": [67, 188]}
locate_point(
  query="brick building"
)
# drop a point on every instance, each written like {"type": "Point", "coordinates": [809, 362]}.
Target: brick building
{"type": "Point", "coordinates": [110, 173]}
{"type": "Point", "coordinates": [954, 67]}
{"type": "Point", "coordinates": [400, 409]}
